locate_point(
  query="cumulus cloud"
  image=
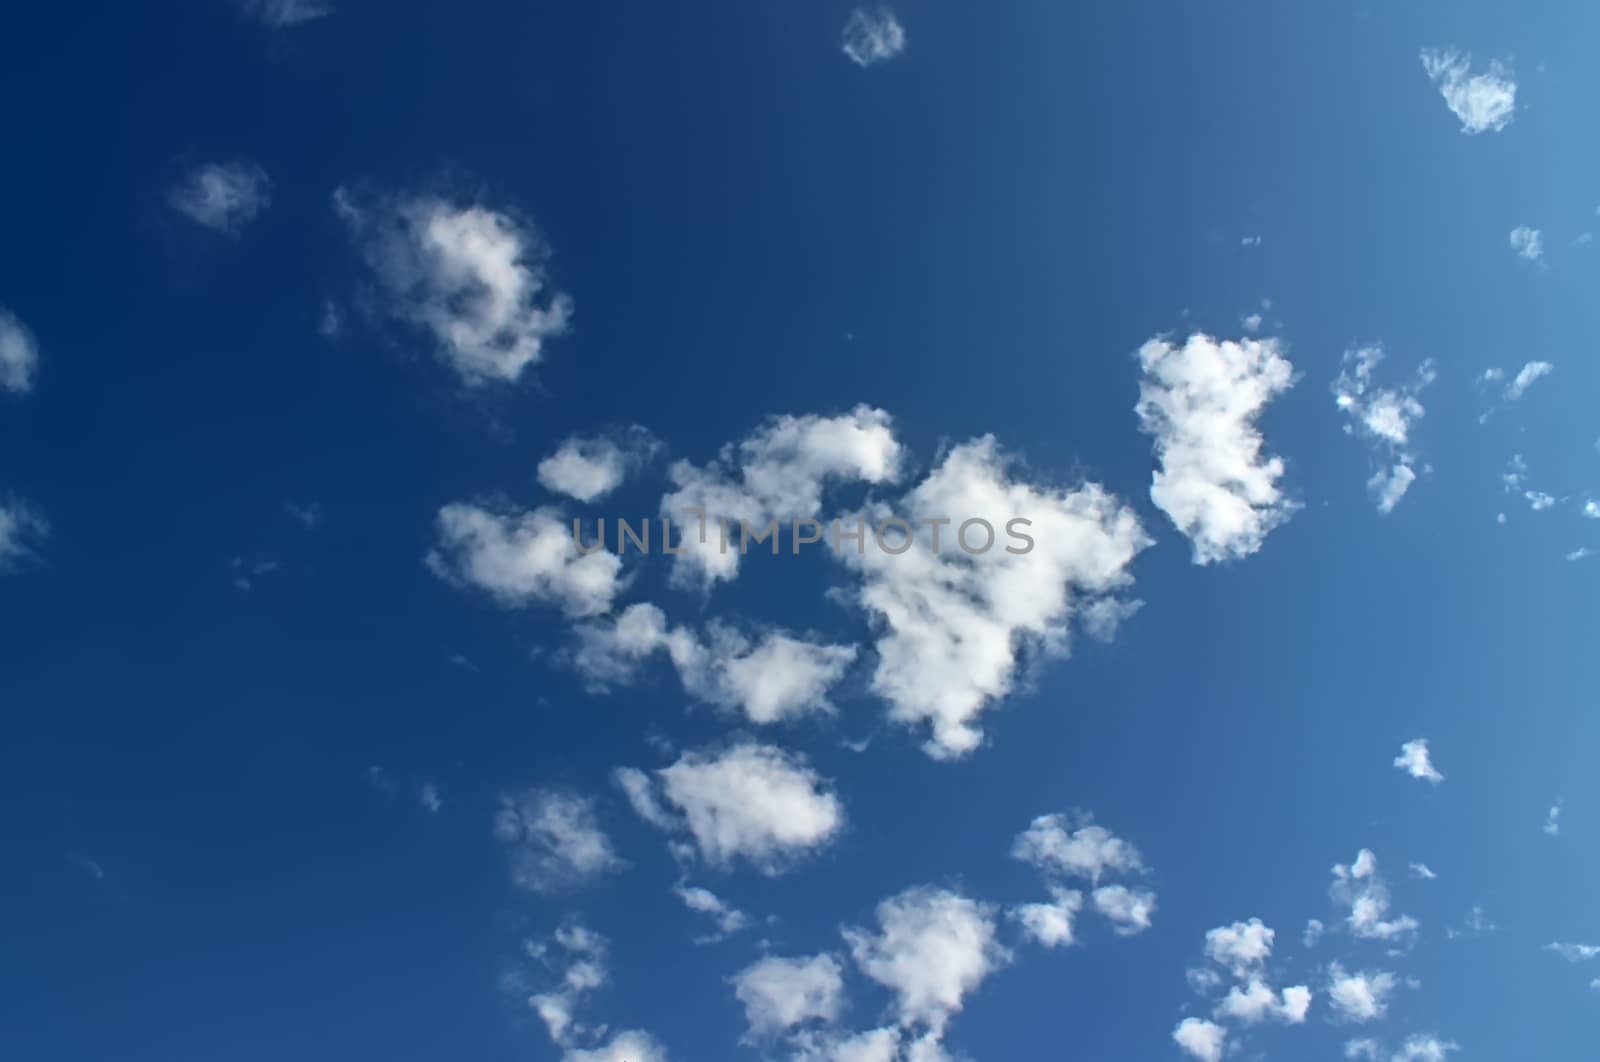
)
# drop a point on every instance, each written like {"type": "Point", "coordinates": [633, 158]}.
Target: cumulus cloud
{"type": "Point", "coordinates": [749, 802]}
{"type": "Point", "coordinates": [1073, 846]}
{"type": "Point", "coordinates": [1484, 102]}
{"type": "Point", "coordinates": [1201, 401]}
{"type": "Point", "coordinates": [1360, 887]}
{"type": "Point", "coordinates": [553, 839]}
{"type": "Point", "coordinates": [1050, 923]}
{"type": "Point", "coordinates": [953, 624]}
{"type": "Point", "coordinates": [589, 468]}
{"type": "Point", "coordinates": [1201, 1039]}
{"type": "Point", "coordinates": [932, 947]}
{"type": "Point", "coordinates": [1255, 1002]}
{"type": "Point", "coordinates": [1422, 871]}
{"type": "Point", "coordinates": [771, 679]}
{"type": "Point", "coordinates": [630, 1045]}
{"type": "Point", "coordinates": [1128, 910]}
{"type": "Point", "coordinates": [1552, 819]}
{"type": "Point", "coordinates": [21, 528]}
{"type": "Point", "coordinates": [779, 994]}
{"type": "Point", "coordinates": [778, 474]}
{"type": "Point", "coordinates": [1527, 243]}
{"type": "Point", "coordinates": [1416, 762]}
{"type": "Point", "coordinates": [1525, 378]}
{"type": "Point", "coordinates": [728, 919]}
{"type": "Point", "coordinates": [223, 197]}
{"type": "Point", "coordinates": [474, 278]}
{"type": "Point", "coordinates": [1359, 997]}
{"type": "Point", "coordinates": [1575, 952]}
{"type": "Point", "coordinates": [522, 558]}
{"type": "Point", "coordinates": [1384, 417]}
{"type": "Point", "coordinates": [19, 354]}
{"type": "Point", "coordinates": [1424, 1049]}
{"type": "Point", "coordinates": [1242, 947]}
{"type": "Point", "coordinates": [578, 955]}
{"type": "Point", "coordinates": [872, 35]}
{"type": "Point", "coordinates": [283, 14]}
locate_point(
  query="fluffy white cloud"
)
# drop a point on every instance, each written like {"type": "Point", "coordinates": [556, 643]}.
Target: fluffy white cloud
{"type": "Point", "coordinates": [1527, 243]}
{"type": "Point", "coordinates": [1255, 1002]}
{"type": "Point", "coordinates": [1364, 1048]}
{"type": "Point", "coordinates": [1526, 377]}
{"type": "Point", "coordinates": [704, 901]}
{"type": "Point", "coordinates": [1242, 947]}
{"type": "Point", "coordinates": [777, 474]}
{"type": "Point", "coordinates": [1359, 997]}
{"type": "Point", "coordinates": [224, 197]}
{"type": "Point", "coordinates": [553, 839]}
{"type": "Point", "coordinates": [1423, 871]}
{"type": "Point", "coordinates": [579, 954]}
{"type": "Point", "coordinates": [1416, 762]}
{"type": "Point", "coordinates": [953, 623]}
{"type": "Point", "coordinates": [773, 679]}
{"type": "Point", "coordinates": [1424, 1049]}
{"type": "Point", "coordinates": [590, 468]}
{"type": "Point", "coordinates": [1201, 1039]}
{"type": "Point", "coordinates": [1129, 910]}
{"type": "Point", "coordinates": [1050, 923]}
{"type": "Point", "coordinates": [931, 948]}
{"type": "Point", "coordinates": [1201, 402]}
{"type": "Point", "coordinates": [630, 1045]}
{"type": "Point", "coordinates": [1073, 846]}
{"type": "Point", "coordinates": [1360, 887]}
{"type": "Point", "coordinates": [19, 354]}
{"type": "Point", "coordinates": [779, 994]}
{"type": "Point", "coordinates": [876, 1045]}
{"type": "Point", "coordinates": [1575, 952]}
{"type": "Point", "coordinates": [1552, 820]}
{"type": "Point", "coordinates": [20, 529]}
{"type": "Point", "coordinates": [474, 278]}
{"type": "Point", "coordinates": [751, 802]}
{"type": "Point", "coordinates": [519, 558]}
{"type": "Point", "coordinates": [872, 36]}
{"type": "Point", "coordinates": [1483, 102]}
{"type": "Point", "coordinates": [282, 14]}
{"type": "Point", "coordinates": [1384, 417]}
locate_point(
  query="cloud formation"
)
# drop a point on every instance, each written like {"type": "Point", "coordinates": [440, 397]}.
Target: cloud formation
{"type": "Point", "coordinates": [872, 35]}
{"type": "Point", "coordinates": [1484, 102]}
{"type": "Point", "coordinates": [1415, 761]}
{"type": "Point", "coordinates": [520, 558]}
{"type": "Point", "coordinates": [223, 197]}
{"type": "Point", "coordinates": [1384, 417]}
{"type": "Point", "coordinates": [589, 468]}
{"type": "Point", "coordinates": [284, 14]}
{"type": "Point", "coordinates": [1201, 402]}
{"type": "Point", "coordinates": [19, 354]}
{"type": "Point", "coordinates": [553, 840]}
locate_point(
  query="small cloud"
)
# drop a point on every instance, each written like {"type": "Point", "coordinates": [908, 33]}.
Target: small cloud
{"type": "Point", "coordinates": [19, 354]}
{"type": "Point", "coordinates": [1484, 102]}
{"type": "Point", "coordinates": [1415, 761]}
{"type": "Point", "coordinates": [1526, 377]}
{"type": "Point", "coordinates": [223, 197]}
{"type": "Point", "coordinates": [284, 14]}
{"type": "Point", "coordinates": [429, 798]}
{"type": "Point", "coordinates": [20, 530]}
{"type": "Point", "coordinates": [1251, 323]}
{"type": "Point", "coordinates": [1581, 553]}
{"type": "Point", "coordinates": [307, 516]}
{"type": "Point", "coordinates": [1423, 871]}
{"type": "Point", "coordinates": [873, 36]}
{"type": "Point", "coordinates": [1552, 820]}
{"type": "Point", "coordinates": [1528, 243]}
{"type": "Point", "coordinates": [1250, 241]}
{"type": "Point", "coordinates": [1575, 952]}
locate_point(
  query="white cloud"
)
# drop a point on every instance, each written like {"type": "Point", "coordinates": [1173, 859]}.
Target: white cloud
{"type": "Point", "coordinates": [283, 14]}
{"type": "Point", "coordinates": [1415, 761]}
{"type": "Point", "coordinates": [872, 36]}
{"type": "Point", "coordinates": [1526, 377]}
{"type": "Point", "coordinates": [954, 624]}
{"type": "Point", "coordinates": [1365, 1048]}
{"type": "Point", "coordinates": [1384, 417]}
{"type": "Point", "coordinates": [1483, 102]}
{"type": "Point", "coordinates": [20, 529]}
{"type": "Point", "coordinates": [751, 802]}
{"type": "Point", "coordinates": [1313, 933]}
{"type": "Point", "coordinates": [1575, 952]}
{"type": "Point", "coordinates": [1423, 871]}
{"type": "Point", "coordinates": [1255, 1002]}
{"type": "Point", "coordinates": [779, 994]}
{"type": "Point", "coordinates": [1527, 243]}
{"type": "Point", "coordinates": [773, 679]}
{"type": "Point", "coordinates": [1129, 910]}
{"type": "Point", "coordinates": [1591, 509]}
{"type": "Point", "coordinates": [519, 558]}
{"type": "Point", "coordinates": [1201, 402]}
{"type": "Point", "coordinates": [1073, 846]}
{"type": "Point", "coordinates": [876, 1045]}
{"type": "Point", "coordinates": [1581, 553]}
{"type": "Point", "coordinates": [1050, 923]}
{"type": "Point", "coordinates": [1360, 887]}
{"type": "Point", "coordinates": [224, 197]}
{"type": "Point", "coordinates": [932, 947]}
{"type": "Point", "coordinates": [428, 797]}
{"type": "Point", "coordinates": [1552, 820]}
{"type": "Point", "coordinates": [553, 839]}
{"type": "Point", "coordinates": [777, 474]}
{"type": "Point", "coordinates": [1424, 1049]}
{"type": "Point", "coordinates": [580, 960]}
{"type": "Point", "coordinates": [630, 1045]}
{"type": "Point", "coordinates": [1359, 997]}
{"type": "Point", "coordinates": [19, 354]}
{"type": "Point", "coordinates": [474, 278]}
{"type": "Point", "coordinates": [590, 468]}
{"type": "Point", "coordinates": [1242, 947]}
{"type": "Point", "coordinates": [704, 901]}
{"type": "Point", "coordinates": [1204, 1040]}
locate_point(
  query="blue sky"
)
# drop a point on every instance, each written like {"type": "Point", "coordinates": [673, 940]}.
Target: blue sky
{"type": "Point", "coordinates": [321, 321]}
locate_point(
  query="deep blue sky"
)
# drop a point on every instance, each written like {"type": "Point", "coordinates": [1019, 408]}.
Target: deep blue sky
{"type": "Point", "coordinates": [974, 236]}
